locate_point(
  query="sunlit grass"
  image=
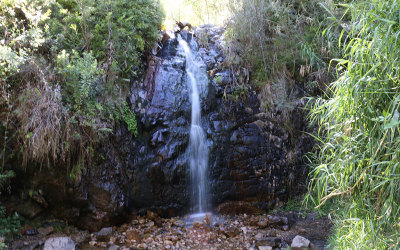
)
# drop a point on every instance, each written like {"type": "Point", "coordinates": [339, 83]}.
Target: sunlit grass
{"type": "Point", "coordinates": [357, 160]}
{"type": "Point", "coordinates": [195, 12]}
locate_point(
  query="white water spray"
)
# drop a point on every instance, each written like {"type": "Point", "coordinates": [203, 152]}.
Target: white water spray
{"type": "Point", "coordinates": [198, 144]}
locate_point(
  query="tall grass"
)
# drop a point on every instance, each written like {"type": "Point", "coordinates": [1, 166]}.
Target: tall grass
{"type": "Point", "coordinates": [357, 161]}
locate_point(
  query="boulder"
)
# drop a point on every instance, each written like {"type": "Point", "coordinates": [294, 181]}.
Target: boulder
{"type": "Point", "coordinates": [300, 243]}
{"type": "Point", "coordinates": [59, 243]}
{"type": "Point", "coordinates": [104, 234]}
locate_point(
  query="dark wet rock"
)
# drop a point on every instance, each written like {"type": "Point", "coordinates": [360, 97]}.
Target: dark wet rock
{"type": "Point", "coordinates": [29, 209]}
{"type": "Point", "coordinates": [274, 220]}
{"type": "Point", "coordinates": [269, 241]}
{"type": "Point", "coordinates": [151, 215]}
{"type": "Point", "coordinates": [240, 207]}
{"type": "Point", "coordinates": [58, 243]}
{"type": "Point", "coordinates": [45, 230]}
{"type": "Point", "coordinates": [31, 232]}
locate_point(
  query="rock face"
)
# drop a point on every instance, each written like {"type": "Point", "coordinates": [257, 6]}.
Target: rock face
{"type": "Point", "coordinates": [252, 158]}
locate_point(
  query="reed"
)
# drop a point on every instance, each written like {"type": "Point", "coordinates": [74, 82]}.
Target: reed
{"type": "Point", "coordinates": [356, 163]}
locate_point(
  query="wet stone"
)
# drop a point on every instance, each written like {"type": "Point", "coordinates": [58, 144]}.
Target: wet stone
{"type": "Point", "coordinates": [45, 230]}
{"type": "Point", "coordinates": [133, 235]}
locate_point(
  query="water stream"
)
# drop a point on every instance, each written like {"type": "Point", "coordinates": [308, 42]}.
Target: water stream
{"type": "Point", "coordinates": [198, 143]}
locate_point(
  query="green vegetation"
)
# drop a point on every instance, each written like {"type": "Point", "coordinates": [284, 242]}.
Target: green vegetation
{"type": "Point", "coordinates": [356, 163]}
{"type": "Point", "coordinates": [278, 42]}
{"type": "Point", "coordinates": [65, 66]}
{"type": "Point", "coordinates": [9, 226]}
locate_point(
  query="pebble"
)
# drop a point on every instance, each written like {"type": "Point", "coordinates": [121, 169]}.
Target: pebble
{"type": "Point", "coordinates": [224, 232]}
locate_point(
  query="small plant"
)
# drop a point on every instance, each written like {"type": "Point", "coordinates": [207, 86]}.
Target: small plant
{"type": "Point", "coordinates": [130, 120]}
{"type": "Point", "coordinates": [9, 226]}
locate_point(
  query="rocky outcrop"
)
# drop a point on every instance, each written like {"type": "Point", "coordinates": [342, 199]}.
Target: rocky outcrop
{"type": "Point", "coordinates": [252, 158]}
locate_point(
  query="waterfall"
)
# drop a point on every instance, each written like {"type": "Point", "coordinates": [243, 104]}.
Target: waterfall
{"type": "Point", "coordinates": [198, 149]}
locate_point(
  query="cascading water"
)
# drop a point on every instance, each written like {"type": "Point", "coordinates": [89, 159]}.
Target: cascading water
{"type": "Point", "coordinates": [198, 143]}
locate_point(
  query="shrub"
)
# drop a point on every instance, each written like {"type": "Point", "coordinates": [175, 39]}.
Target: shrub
{"type": "Point", "coordinates": [64, 65]}
{"type": "Point", "coordinates": [81, 76]}
{"type": "Point", "coordinates": [117, 32]}
{"type": "Point", "coordinates": [278, 42]}
{"type": "Point", "coordinates": [267, 36]}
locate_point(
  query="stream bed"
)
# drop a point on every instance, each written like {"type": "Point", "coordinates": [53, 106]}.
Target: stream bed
{"type": "Point", "coordinates": [242, 231]}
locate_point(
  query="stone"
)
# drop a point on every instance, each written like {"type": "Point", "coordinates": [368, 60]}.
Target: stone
{"type": "Point", "coordinates": [271, 233]}
{"type": "Point", "coordinates": [168, 242]}
{"type": "Point", "coordinates": [253, 222]}
{"type": "Point", "coordinates": [285, 228]}
{"type": "Point", "coordinates": [45, 230]}
{"type": "Point", "coordinates": [178, 223]}
{"type": "Point", "coordinates": [151, 215]}
{"type": "Point", "coordinates": [31, 232]}
{"type": "Point", "coordinates": [207, 219]}
{"type": "Point", "coordinates": [274, 220]}
{"type": "Point", "coordinates": [284, 220]}
{"type": "Point", "coordinates": [59, 243]}
{"type": "Point", "coordinates": [299, 243]}
{"type": "Point", "coordinates": [265, 248]}
{"type": "Point", "coordinates": [150, 224]}
{"type": "Point", "coordinates": [133, 235]}
{"type": "Point", "coordinates": [29, 209]}
{"type": "Point", "coordinates": [262, 224]}
{"type": "Point", "coordinates": [113, 247]}
{"type": "Point", "coordinates": [158, 222]}
{"type": "Point", "coordinates": [197, 224]}
{"type": "Point", "coordinates": [302, 230]}
{"type": "Point", "coordinates": [269, 241]}
{"type": "Point", "coordinates": [260, 236]}
{"type": "Point", "coordinates": [232, 231]}
{"type": "Point", "coordinates": [104, 234]}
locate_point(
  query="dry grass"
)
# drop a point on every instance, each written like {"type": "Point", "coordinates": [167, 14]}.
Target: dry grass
{"type": "Point", "coordinates": [47, 132]}
{"type": "Point", "coordinates": [40, 114]}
